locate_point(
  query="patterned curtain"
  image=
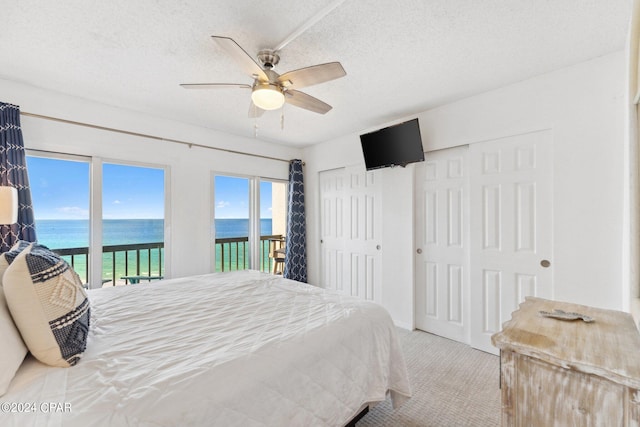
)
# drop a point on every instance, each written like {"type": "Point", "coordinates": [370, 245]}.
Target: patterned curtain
{"type": "Point", "coordinates": [13, 173]}
{"type": "Point", "coordinates": [295, 258]}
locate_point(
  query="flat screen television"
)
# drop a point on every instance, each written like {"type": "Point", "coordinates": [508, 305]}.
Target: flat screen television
{"type": "Point", "coordinates": [396, 145]}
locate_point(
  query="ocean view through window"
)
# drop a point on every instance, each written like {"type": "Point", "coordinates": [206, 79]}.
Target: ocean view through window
{"type": "Point", "coordinates": [234, 203]}
{"type": "Point", "coordinates": [132, 215]}
{"type": "Point", "coordinates": [61, 204]}
{"type": "Point", "coordinates": [128, 234]}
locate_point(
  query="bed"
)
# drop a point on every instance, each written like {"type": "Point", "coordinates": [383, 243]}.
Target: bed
{"type": "Point", "coordinates": [225, 349]}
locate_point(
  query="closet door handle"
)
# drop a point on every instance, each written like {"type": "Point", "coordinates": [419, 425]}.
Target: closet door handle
{"type": "Point", "coordinates": [419, 251]}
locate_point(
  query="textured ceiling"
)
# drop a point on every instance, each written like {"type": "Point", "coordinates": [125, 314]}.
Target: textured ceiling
{"type": "Point", "coordinates": [401, 57]}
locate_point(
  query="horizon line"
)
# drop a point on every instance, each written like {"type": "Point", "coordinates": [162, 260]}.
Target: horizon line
{"type": "Point", "coordinates": [109, 219]}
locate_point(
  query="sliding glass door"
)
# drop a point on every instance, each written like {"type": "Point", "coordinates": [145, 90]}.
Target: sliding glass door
{"type": "Point", "coordinates": [273, 225]}
{"type": "Point", "coordinates": [60, 192]}
{"type": "Point", "coordinates": [115, 238]}
{"type": "Point", "coordinates": [231, 201]}
{"type": "Point", "coordinates": [249, 223]}
{"type": "Point", "coordinates": [132, 223]}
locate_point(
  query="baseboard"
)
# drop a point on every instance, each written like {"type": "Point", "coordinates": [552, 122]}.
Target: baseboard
{"type": "Point", "coordinates": [404, 325]}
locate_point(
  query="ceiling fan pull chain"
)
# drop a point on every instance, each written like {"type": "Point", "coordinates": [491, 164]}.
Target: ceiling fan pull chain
{"type": "Point", "coordinates": [282, 118]}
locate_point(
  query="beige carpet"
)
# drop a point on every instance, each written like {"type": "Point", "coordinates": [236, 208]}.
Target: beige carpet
{"type": "Point", "coordinates": [453, 386]}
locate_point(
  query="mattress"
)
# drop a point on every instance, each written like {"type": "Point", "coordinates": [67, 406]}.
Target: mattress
{"type": "Point", "coordinates": [225, 349]}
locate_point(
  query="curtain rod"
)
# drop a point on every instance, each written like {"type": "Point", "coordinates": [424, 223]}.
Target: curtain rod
{"type": "Point", "coordinates": [144, 135]}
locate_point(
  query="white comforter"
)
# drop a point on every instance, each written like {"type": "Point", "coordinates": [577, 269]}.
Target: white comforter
{"type": "Point", "coordinates": [227, 349]}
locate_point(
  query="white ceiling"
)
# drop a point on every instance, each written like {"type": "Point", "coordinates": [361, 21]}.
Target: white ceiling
{"type": "Point", "coordinates": [401, 57]}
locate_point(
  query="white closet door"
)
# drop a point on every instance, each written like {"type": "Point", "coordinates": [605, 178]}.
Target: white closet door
{"type": "Point", "coordinates": [332, 231]}
{"type": "Point", "coordinates": [511, 229]}
{"type": "Point", "coordinates": [351, 227]}
{"type": "Point", "coordinates": [442, 244]}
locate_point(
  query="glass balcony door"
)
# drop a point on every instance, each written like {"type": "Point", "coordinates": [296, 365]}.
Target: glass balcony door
{"type": "Point", "coordinates": [273, 225]}
{"type": "Point", "coordinates": [112, 239]}
{"type": "Point", "coordinates": [249, 223]}
{"type": "Point", "coordinates": [232, 222]}
{"type": "Point", "coordinates": [60, 192]}
{"type": "Point", "coordinates": [132, 223]}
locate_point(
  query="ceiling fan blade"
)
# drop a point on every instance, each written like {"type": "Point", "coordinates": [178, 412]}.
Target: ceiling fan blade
{"type": "Point", "coordinates": [315, 74]}
{"type": "Point", "coordinates": [214, 85]}
{"type": "Point", "coordinates": [308, 102]}
{"type": "Point", "coordinates": [255, 111]}
{"type": "Point", "coordinates": [241, 57]}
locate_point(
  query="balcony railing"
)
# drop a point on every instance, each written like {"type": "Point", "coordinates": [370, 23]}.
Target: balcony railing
{"type": "Point", "coordinates": [232, 253]}
{"type": "Point", "coordinates": [146, 259]}
{"type": "Point", "coordinates": [118, 261]}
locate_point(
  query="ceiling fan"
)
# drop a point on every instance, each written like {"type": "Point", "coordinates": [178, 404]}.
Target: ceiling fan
{"type": "Point", "coordinates": [271, 90]}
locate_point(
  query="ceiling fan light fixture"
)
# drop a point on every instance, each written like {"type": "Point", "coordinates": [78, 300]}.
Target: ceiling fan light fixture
{"type": "Point", "coordinates": [267, 96]}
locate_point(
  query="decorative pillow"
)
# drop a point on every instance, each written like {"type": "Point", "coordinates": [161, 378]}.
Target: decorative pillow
{"type": "Point", "coordinates": [13, 348]}
{"type": "Point", "coordinates": [49, 305]}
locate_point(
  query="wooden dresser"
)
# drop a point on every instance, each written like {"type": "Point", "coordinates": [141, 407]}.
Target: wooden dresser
{"type": "Point", "coordinates": [569, 373]}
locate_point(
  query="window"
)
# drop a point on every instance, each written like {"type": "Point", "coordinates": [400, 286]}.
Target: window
{"type": "Point", "coordinates": [231, 200]}
{"type": "Point", "coordinates": [241, 205]}
{"type": "Point", "coordinates": [60, 196]}
{"type": "Point", "coordinates": [132, 223]}
{"type": "Point", "coordinates": [130, 216]}
{"type": "Point", "coordinates": [273, 225]}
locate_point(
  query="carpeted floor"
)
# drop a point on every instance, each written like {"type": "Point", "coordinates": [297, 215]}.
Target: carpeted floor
{"type": "Point", "coordinates": [453, 385]}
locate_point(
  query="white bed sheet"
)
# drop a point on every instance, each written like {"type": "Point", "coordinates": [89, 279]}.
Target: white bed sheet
{"type": "Point", "coordinates": [226, 349]}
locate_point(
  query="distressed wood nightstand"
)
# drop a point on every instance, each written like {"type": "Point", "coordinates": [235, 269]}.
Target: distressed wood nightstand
{"type": "Point", "coordinates": [569, 373]}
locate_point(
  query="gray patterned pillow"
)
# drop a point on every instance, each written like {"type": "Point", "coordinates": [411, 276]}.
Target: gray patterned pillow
{"type": "Point", "coordinates": [48, 305]}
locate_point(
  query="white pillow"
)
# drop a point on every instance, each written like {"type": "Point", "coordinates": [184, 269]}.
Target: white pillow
{"type": "Point", "coordinates": [48, 305]}
{"type": "Point", "coordinates": [13, 348]}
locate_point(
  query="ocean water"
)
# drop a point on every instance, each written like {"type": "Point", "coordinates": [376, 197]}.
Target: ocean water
{"type": "Point", "coordinates": [240, 227]}
{"type": "Point", "coordinates": [64, 234]}
{"type": "Point", "coordinates": [61, 234]}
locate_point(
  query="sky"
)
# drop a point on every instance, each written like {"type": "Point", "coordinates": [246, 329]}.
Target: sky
{"type": "Point", "coordinates": [232, 197]}
{"type": "Point", "coordinates": [60, 190]}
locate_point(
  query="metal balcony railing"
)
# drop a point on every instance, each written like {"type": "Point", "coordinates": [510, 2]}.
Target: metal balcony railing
{"type": "Point", "coordinates": [232, 253]}
{"type": "Point", "coordinates": [140, 260]}
{"type": "Point", "coordinates": [118, 261]}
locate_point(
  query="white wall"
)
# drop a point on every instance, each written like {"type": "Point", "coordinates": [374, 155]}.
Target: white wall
{"type": "Point", "coordinates": [584, 107]}
{"type": "Point", "coordinates": [190, 168]}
